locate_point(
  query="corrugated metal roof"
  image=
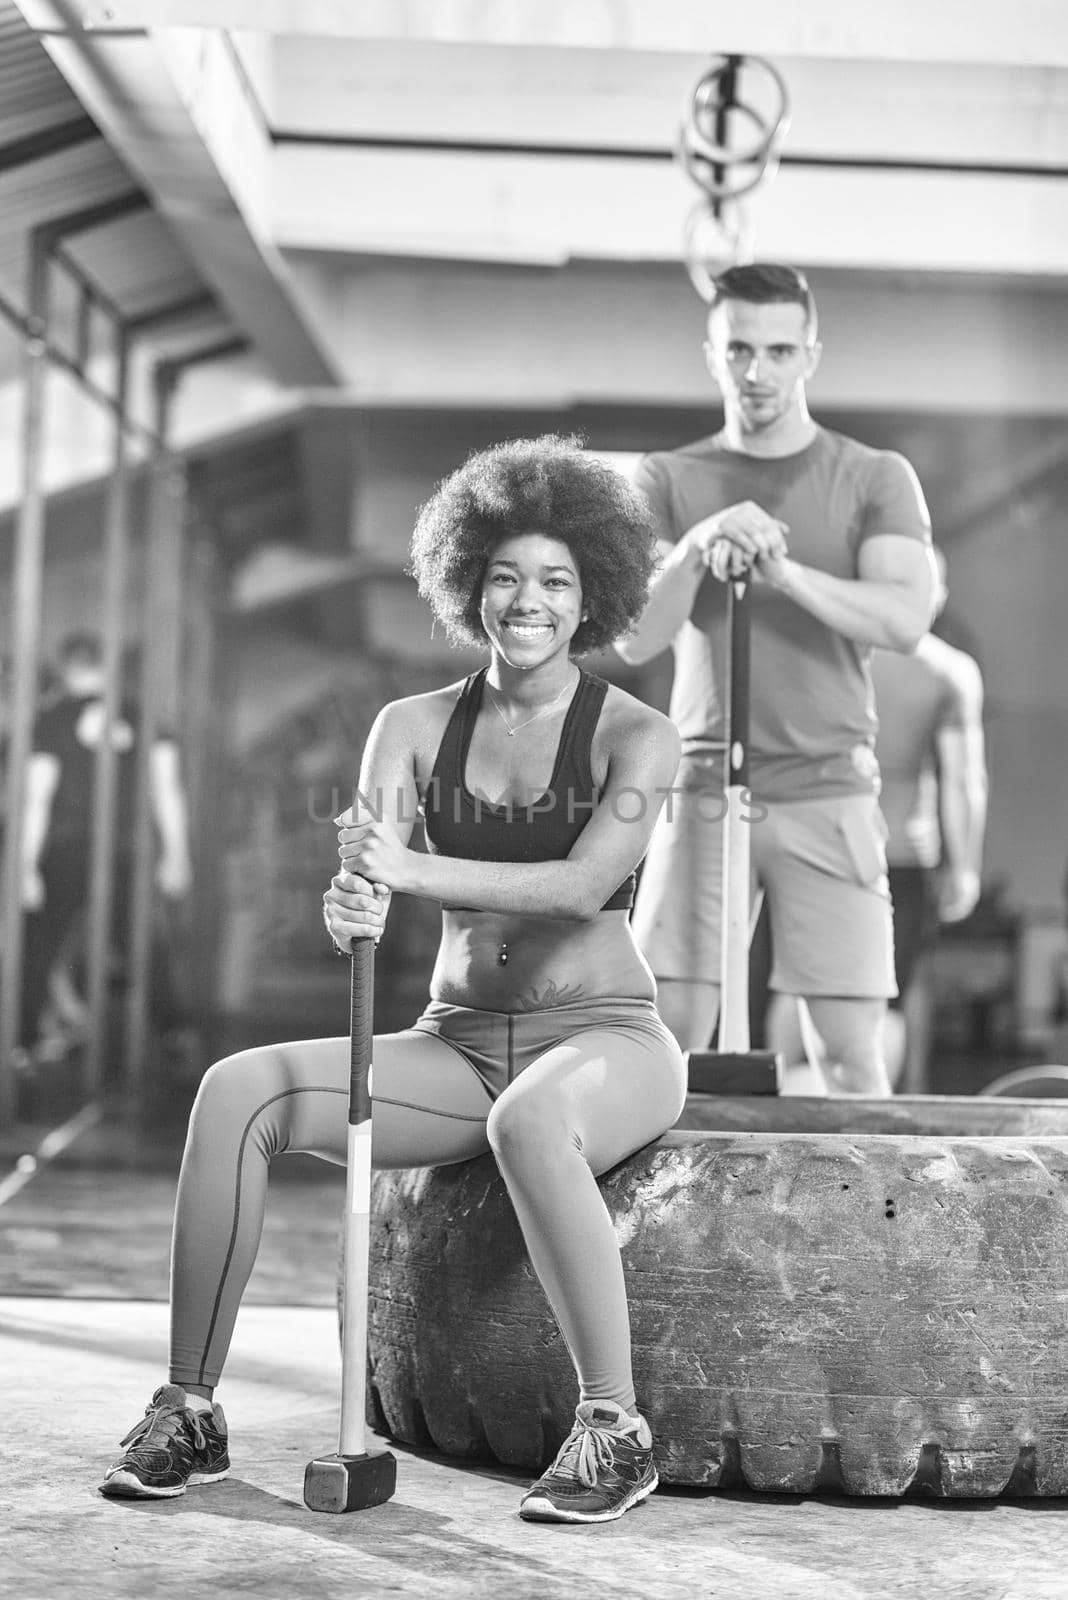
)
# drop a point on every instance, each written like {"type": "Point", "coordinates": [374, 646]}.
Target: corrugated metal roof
{"type": "Point", "coordinates": [135, 261]}
{"type": "Point", "coordinates": [40, 191]}
{"type": "Point", "coordinates": [33, 92]}
{"type": "Point", "coordinates": [52, 165]}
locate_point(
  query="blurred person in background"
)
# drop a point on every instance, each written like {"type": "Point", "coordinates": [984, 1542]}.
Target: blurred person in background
{"type": "Point", "coordinates": [57, 832]}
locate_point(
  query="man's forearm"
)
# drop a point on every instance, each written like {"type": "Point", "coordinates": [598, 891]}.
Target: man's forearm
{"type": "Point", "coordinates": [42, 780]}
{"type": "Point", "coordinates": [888, 616]}
{"type": "Point", "coordinates": [962, 795]}
{"type": "Point", "coordinates": [34, 834]}
{"type": "Point", "coordinates": [961, 882]}
{"type": "Point", "coordinates": [173, 825]}
{"type": "Point", "coordinates": [971, 827]}
{"type": "Point", "coordinates": [169, 809]}
{"type": "Point", "coordinates": [955, 816]}
{"type": "Point", "coordinates": [976, 787]}
{"type": "Point", "coordinates": [671, 597]}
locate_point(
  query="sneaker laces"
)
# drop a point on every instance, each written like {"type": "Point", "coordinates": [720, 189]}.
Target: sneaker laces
{"type": "Point", "coordinates": [163, 1422]}
{"type": "Point", "coordinates": [586, 1450]}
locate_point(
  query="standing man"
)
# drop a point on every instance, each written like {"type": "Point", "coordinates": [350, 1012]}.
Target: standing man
{"type": "Point", "coordinates": [931, 752]}
{"type": "Point", "coordinates": [57, 828]}
{"type": "Point", "coordinates": [836, 539]}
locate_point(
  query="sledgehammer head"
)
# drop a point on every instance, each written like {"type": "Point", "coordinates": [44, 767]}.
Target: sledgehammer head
{"type": "Point", "coordinates": [734, 1072]}
{"type": "Point", "coordinates": [350, 1483]}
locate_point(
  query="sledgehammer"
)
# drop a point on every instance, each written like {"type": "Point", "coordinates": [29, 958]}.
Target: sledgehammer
{"type": "Point", "coordinates": [355, 1478]}
{"type": "Point", "coordinates": [733, 1068]}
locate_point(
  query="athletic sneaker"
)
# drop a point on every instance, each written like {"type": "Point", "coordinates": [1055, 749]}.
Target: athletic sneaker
{"type": "Point", "coordinates": [604, 1467]}
{"type": "Point", "coordinates": [170, 1448]}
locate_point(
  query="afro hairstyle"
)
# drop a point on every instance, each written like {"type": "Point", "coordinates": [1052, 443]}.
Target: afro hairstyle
{"type": "Point", "coordinates": [552, 486]}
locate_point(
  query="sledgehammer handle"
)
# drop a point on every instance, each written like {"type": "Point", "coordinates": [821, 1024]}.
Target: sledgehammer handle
{"type": "Point", "coordinates": [738, 614]}
{"type": "Point", "coordinates": [361, 1028]}
{"type": "Point", "coordinates": [352, 1440]}
{"type": "Point", "coordinates": [734, 954]}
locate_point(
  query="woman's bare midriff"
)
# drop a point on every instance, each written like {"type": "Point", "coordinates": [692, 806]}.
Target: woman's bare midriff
{"type": "Point", "coordinates": [547, 962]}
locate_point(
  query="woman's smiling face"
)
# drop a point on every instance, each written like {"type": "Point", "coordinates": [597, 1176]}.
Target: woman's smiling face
{"type": "Point", "coordinates": [531, 603]}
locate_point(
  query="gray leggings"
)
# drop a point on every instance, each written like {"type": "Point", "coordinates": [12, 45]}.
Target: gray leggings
{"type": "Point", "coordinates": [559, 1097]}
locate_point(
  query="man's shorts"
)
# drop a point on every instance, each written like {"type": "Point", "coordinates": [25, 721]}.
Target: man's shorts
{"type": "Point", "coordinates": [821, 864]}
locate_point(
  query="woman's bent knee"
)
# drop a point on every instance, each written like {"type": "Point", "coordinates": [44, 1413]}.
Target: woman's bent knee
{"type": "Point", "coordinates": [526, 1127]}
{"type": "Point", "coordinates": [237, 1085]}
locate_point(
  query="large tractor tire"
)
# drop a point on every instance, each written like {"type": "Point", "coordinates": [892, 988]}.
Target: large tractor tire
{"type": "Point", "coordinates": [873, 1312]}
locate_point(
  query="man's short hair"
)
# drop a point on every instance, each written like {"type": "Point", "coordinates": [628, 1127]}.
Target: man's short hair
{"type": "Point", "coordinates": [764, 283]}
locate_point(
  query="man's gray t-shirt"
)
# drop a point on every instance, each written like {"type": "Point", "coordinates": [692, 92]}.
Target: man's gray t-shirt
{"type": "Point", "coordinates": [812, 715]}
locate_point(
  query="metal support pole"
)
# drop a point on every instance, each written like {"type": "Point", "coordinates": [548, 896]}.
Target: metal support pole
{"type": "Point", "coordinates": [202, 736]}
{"type": "Point", "coordinates": [85, 323]}
{"type": "Point", "coordinates": [27, 586]}
{"type": "Point", "coordinates": [25, 647]}
{"type": "Point", "coordinates": [113, 627]}
{"type": "Point", "coordinates": [162, 609]}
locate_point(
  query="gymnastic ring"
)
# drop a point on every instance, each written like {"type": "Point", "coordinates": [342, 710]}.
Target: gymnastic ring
{"type": "Point", "coordinates": [710, 100]}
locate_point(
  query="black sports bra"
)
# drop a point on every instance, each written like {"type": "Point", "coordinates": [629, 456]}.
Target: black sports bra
{"type": "Point", "coordinates": [463, 825]}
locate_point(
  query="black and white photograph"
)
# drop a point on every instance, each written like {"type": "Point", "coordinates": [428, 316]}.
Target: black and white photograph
{"type": "Point", "coordinates": [533, 779]}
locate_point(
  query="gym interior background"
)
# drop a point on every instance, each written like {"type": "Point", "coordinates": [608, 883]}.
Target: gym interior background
{"type": "Point", "coordinates": [368, 250]}
{"type": "Point", "coordinates": [342, 245]}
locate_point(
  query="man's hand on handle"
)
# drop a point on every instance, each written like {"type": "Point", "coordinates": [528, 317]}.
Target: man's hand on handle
{"type": "Point", "coordinates": [740, 538]}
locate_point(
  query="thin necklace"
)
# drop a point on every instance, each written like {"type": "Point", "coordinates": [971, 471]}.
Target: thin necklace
{"type": "Point", "coordinates": [513, 728]}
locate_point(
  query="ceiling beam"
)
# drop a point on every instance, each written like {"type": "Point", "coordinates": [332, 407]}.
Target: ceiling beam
{"type": "Point", "coordinates": [48, 142]}
{"type": "Point", "coordinates": [176, 109]}
{"type": "Point", "coordinates": [460, 335]}
{"type": "Point", "coordinates": [1029, 31]}
{"type": "Point", "coordinates": [540, 209]}
{"type": "Point", "coordinates": [619, 100]}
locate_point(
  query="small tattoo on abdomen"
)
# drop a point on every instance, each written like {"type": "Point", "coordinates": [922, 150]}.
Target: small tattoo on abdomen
{"type": "Point", "coordinates": [549, 997]}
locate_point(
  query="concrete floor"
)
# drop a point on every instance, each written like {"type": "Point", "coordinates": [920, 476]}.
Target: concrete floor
{"type": "Point", "coordinates": [78, 1372]}
{"type": "Point", "coordinates": [83, 1328]}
